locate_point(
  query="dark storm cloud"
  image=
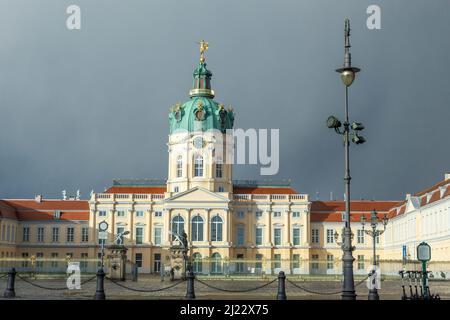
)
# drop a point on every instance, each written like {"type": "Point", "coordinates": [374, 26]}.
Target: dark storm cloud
{"type": "Point", "coordinates": [79, 108]}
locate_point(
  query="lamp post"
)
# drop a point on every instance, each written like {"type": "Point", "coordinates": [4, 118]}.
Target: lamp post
{"type": "Point", "coordinates": [348, 74]}
{"type": "Point", "coordinates": [374, 233]}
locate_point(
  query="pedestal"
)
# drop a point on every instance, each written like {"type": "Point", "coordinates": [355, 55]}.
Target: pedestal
{"type": "Point", "coordinates": [117, 260]}
{"type": "Point", "coordinates": [178, 262]}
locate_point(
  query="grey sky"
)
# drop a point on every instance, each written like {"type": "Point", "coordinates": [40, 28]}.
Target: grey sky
{"type": "Point", "coordinates": [79, 108]}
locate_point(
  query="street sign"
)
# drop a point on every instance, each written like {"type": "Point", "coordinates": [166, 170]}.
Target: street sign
{"type": "Point", "coordinates": [103, 226]}
{"type": "Point", "coordinates": [103, 235]}
{"type": "Point", "coordinates": [424, 252]}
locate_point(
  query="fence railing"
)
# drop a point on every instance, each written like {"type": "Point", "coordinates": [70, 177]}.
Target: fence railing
{"type": "Point", "coordinates": [211, 267]}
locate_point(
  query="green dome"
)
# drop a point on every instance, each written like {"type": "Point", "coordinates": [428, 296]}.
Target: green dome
{"type": "Point", "coordinates": [201, 112]}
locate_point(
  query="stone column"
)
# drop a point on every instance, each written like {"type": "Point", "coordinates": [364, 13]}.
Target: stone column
{"type": "Point", "coordinates": [288, 229]}
{"type": "Point", "coordinates": [150, 226]}
{"type": "Point", "coordinates": [208, 227]}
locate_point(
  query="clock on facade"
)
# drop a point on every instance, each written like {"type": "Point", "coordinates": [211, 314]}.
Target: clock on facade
{"type": "Point", "coordinates": [198, 142]}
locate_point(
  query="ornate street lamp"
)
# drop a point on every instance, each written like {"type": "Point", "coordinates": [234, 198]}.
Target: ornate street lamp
{"type": "Point", "coordinates": [348, 74]}
{"type": "Point", "coordinates": [374, 233]}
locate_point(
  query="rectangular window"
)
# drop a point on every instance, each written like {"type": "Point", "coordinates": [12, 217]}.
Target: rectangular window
{"type": "Point", "coordinates": [259, 236]}
{"type": "Point", "coordinates": [139, 235]}
{"type": "Point", "coordinates": [54, 263]}
{"type": "Point", "coordinates": [277, 261]}
{"type": "Point", "coordinates": [84, 234]}
{"type": "Point", "coordinates": [158, 213]}
{"type": "Point", "coordinates": [330, 235]}
{"type": "Point", "coordinates": [218, 170]}
{"type": "Point", "coordinates": [277, 214]}
{"type": "Point", "coordinates": [84, 262]}
{"type": "Point", "coordinates": [139, 213]}
{"type": "Point", "coordinates": [258, 264]}
{"type": "Point", "coordinates": [157, 236]}
{"type": "Point", "coordinates": [102, 213]}
{"type": "Point", "coordinates": [39, 257]}
{"type": "Point", "coordinates": [70, 234]}
{"type": "Point", "coordinates": [360, 236]}
{"type": "Point", "coordinates": [295, 261]}
{"type": "Point", "coordinates": [24, 259]}
{"type": "Point", "coordinates": [296, 236]}
{"type": "Point", "coordinates": [138, 259]}
{"type": "Point", "coordinates": [40, 234]}
{"type": "Point", "coordinates": [26, 234]}
{"type": "Point", "coordinates": [295, 214]}
{"type": "Point", "coordinates": [121, 213]}
{"type": "Point", "coordinates": [277, 236]}
{"type": "Point", "coordinates": [240, 214]}
{"type": "Point", "coordinates": [258, 214]}
{"type": "Point", "coordinates": [360, 262]}
{"type": "Point", "coordinates": [240, 235]}
{"type": "Point", "coordinates": [55, 234]}
{"type": "Point", "coordinates": [3, 232]}
{"type": "Point", "coordinates": [120, 230]}
{"type": "Point", "coordinates": [198, 166]}
{"type": "Point", "coordinates": [330, 262]}
{"type": "Point", "coordinates": [315, 235]}
{"type": "Point", "coordinates": [315, 262]}
{"type": "Point", "coordinates": [8, 233]}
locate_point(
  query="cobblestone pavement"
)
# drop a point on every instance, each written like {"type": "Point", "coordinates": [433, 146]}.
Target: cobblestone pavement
{"type": "Point", "coordinates": [390, 289]}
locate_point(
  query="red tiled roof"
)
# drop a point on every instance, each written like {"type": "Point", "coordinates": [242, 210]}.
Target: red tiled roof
{"type": "Point", "coordinates": [436, 186]}
{"type": "Point", "coordinates": [7, 211]}
{"type": "Point", "coordinates": [435, 196]}
{"type": "Point", "coordinates": [447, 192]}
{"type": "Point", "coordinates": [41, 215]}
{"type": "Point", "coordinates": [259, 190]}
{"type": "Point", "coordinates": [148, 190]}
{"type": "Point", "coordinates": [337, 217]}
{"type": "Point", "coordinates": [331, 211]}
{"type": "Point", "coordinates": [27, 209]}
{"type": "Point", "coordinates": [355, 206]}
{"type": "Point", "coordinates": [29, 204]}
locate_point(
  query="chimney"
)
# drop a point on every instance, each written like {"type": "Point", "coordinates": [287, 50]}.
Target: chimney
{"type": "Point", "coordinates": [447, 176]}
{"type": "Point", "coordinates": [408, 196]}
{"type": "Point", "coordinates": [38, 198]}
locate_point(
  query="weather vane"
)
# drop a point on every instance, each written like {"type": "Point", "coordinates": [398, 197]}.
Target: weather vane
{"type": "Point", "coordinates": [203, 47]}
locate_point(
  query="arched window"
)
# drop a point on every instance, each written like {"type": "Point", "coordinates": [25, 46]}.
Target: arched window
{"type": "Point", "coordinates": [216, 228]}
{"type": "Point", "coordinates": [197, 229]}
{"type": "Point", "coordinates": [177, 225]}
{"type": "Point", "coordinates": [216, 263]}
{"type": "Point", "coordinates": [179, 166]}
{"type": "Point", "coordinates": [219, 168]}
{"type": "Point", "coordinates": [197, 262]}
{"type": "Point", "coordinates": [198, 166]}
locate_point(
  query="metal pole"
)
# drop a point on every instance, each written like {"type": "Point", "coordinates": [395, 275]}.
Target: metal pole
{"type": "Point", "coordinates": [348, 290]}
{"type": "Point", "coordinates": [281, 286]}
{"type": "Point", "coordinates": [425, 280]}
{"type": "Point", "coordinates": [9, 291]}
{"type": "Point", "coordinates": [100, 290]}
{"type": "Point", "coordinates": [190, 291]}
{"type": "Point", "coordinates": [373, 292]}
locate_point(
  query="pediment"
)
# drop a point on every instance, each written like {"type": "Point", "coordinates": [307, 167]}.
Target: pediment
{"type": "Point", "coordinates": [197, 194]}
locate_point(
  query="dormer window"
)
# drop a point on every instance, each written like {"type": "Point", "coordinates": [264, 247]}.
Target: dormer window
{"type": "Point", "coordinates": [57, 214]}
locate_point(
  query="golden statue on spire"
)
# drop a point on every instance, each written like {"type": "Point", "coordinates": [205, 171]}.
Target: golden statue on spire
{"type": "Point", "coordinates": [203, 47]}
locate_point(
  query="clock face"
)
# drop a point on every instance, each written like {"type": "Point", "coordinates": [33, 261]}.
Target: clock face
{"type": "Point", "coordinates": [198, 142]}
{"type": "Point", "coordinates": [103, 226]}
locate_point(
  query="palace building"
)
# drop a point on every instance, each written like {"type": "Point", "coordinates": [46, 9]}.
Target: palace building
{"type": "Point", "coordinates": [233, 226]}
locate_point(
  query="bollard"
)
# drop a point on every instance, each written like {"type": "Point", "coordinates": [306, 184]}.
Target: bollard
{"type": "Point", "coordinates": [9, 291]}
{"type": "Point", "coordinates": [281, 286]}
{"type": "Point", "coordinates": [190, 292]}
{"type": "Point", "coordinates": [100, 290]}
{"type": "Point", "coordinates": [135, 272]}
